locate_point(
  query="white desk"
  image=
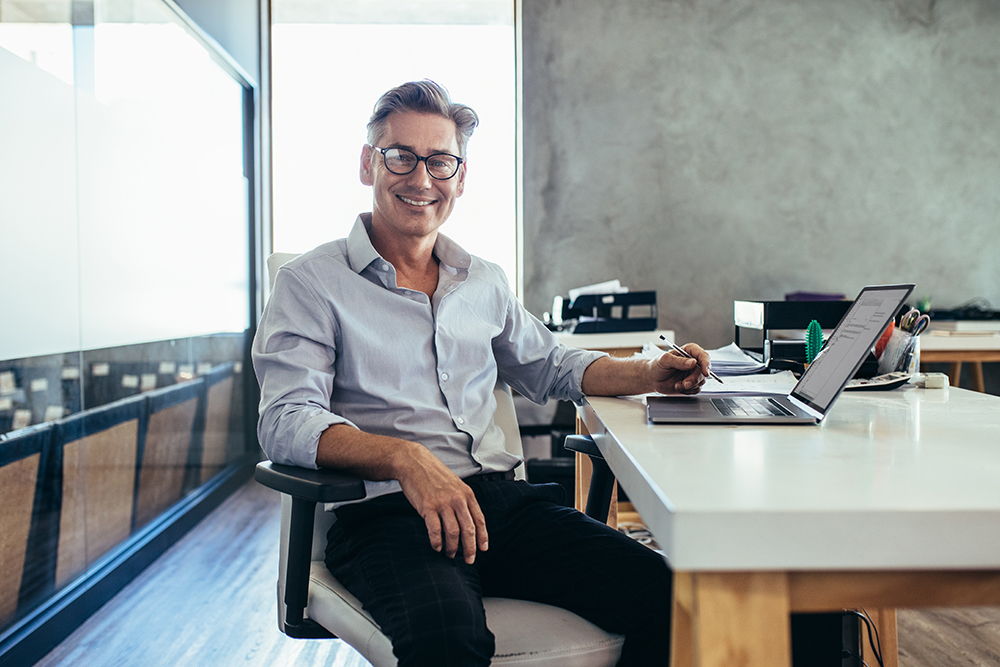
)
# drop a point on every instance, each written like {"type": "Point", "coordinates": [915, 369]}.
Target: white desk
{"type": "Point", "coordinates": [894, 501]}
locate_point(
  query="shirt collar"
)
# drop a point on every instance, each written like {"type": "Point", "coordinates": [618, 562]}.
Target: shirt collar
{"type": "Point", "coordinates": [361, 252]}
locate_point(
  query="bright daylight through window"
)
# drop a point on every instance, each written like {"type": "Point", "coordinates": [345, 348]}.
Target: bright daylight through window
{"type": "Point", "coordinates": [331, 61]}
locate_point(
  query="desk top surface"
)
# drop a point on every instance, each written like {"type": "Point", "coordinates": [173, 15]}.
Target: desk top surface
{"type": "Point", "coordinates": [934, 342]}
{"type": "Point", "coordinates": [900, 479]}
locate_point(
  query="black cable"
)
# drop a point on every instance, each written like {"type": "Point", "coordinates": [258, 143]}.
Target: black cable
{"type": "Point", "coordinates": [878, 639]}
{"type": "Point", "coordinates": [873, 640]}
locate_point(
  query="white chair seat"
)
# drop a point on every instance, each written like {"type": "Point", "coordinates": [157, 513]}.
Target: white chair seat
{"type": "Point", "coordinates": [527, 633]}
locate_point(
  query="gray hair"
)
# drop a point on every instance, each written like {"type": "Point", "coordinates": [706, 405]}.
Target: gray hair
{"type": "Point", "coordinates": [423, 97]}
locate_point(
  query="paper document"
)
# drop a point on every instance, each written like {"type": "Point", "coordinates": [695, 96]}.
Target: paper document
{"type": "Point", "coordinates": [779, 384]}
{"type": "Point", "coordinates": [731, 360]}
{"type": "Point", "coordinates": [607, 287]}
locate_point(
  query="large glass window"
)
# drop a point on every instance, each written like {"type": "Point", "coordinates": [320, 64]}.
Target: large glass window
{"type": "Point", "coordinates": [331, 61]}
{"type": "Point", "coordinates": [124, 281]}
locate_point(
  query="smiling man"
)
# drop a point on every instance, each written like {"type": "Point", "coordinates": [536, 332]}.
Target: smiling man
{"type": "Point", "coordinates": [378, 354]}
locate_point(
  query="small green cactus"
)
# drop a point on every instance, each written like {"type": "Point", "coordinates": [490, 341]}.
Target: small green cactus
{"type": "Point", "coordinates": [814, 340]}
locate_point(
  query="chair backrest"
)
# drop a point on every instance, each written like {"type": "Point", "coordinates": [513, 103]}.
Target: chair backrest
{"type": "Point", "coordinates": [274, 262]}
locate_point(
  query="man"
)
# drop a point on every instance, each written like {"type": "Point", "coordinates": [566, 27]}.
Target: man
{"type": "Point", "coordinates": [377, 354]}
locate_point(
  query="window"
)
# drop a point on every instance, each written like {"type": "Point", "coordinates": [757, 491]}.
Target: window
{"type": "Point", "coordinates": [329, 65]}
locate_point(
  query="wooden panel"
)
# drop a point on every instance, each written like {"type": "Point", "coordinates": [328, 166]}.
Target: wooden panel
{"type": "Point", "coordinates": [754, 602]}
{"type": "Point", "coordinates": [218, 409]}
{"type": "Point", "coordinates": [826, 591]}
{"type": "Point", "coordinates": [98, 481]}
{"type": "Point", "coordinates": [168, 441]}
{"type": "Point", "coordinates": [17, 496]}
{"type": "Point", "coordinates": [71, 554]}
{"type": "Point", "coordinates": [936, 356]}
{"type": "Point", "coordinates": [110, 477]}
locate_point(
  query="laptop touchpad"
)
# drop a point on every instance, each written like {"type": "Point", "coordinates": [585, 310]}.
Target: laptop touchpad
{"type": "Point", "coordinates": [676, 406]}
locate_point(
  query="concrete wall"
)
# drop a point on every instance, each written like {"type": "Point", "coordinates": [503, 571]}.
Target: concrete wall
{"type": "Point", "coordinates": [714, 150]}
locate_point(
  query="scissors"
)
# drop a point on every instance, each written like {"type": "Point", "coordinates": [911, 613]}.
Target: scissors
{"type": "Point", "coordinates": [909, 319]}
{"type": "Point", "coordinates": [919, 325]}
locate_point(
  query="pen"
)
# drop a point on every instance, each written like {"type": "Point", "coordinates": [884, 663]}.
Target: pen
{"type": "Point", "coordinates": [687, 354]}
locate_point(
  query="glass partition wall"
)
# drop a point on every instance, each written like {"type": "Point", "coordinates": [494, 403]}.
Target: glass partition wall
{"type": "Point", "coordinates": [125, 280]}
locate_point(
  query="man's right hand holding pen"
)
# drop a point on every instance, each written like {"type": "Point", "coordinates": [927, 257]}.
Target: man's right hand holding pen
{"type": "Point", "coordinates": [682, 370]}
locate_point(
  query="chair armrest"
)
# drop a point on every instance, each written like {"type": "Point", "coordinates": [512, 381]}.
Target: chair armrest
{"type": "Point", "coordinates": [584, 444]}
{"type": "Point", "coordinates": [318, 486]}
{"type": "Point", "coordinates": [602, 480]}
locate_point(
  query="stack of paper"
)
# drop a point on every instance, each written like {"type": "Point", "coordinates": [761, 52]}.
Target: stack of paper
{"type": "Point", "coordinates": [731, 360]}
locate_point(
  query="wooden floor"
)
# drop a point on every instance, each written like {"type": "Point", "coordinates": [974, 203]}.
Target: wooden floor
{"type": "Point", "coordinates": [210, 601]}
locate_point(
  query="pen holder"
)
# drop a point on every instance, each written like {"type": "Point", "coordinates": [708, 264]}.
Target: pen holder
{"type": "Point", "coordinates": [901, 353]}
{"type": "Point", "coordinates": [912, 361]}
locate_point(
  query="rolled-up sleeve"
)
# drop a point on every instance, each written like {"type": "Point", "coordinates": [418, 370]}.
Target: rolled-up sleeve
{"type": "Point", "coordinates": [293, 356]}
{"type": "Point", "coordinates": [531, 360]}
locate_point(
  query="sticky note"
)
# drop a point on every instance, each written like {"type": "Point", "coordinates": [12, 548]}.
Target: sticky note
{"type": "Point", "coordinates": [7, 385]}
{"type": "Point", "coordinates": [40, 384]}
{"type": "Point", "coordinates": [148, 381]}
{"type": "Point", "coordinates": [130, 381]}
{"type": "Point", "coordinates": [21, 419]}
{"type": "Point", "coordinates": [100, 369]}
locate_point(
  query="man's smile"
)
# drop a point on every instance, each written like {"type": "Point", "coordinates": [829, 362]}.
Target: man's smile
{"type": "Point", "coordinates": [415, 202]}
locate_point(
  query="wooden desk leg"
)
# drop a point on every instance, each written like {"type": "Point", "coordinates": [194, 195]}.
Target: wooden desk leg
{"type": "Point", "coordinates": [885, 621]}
{"type": "Point", "coordinates": [978, 383]}
{"type": "Point", "coordinates": [680, 621]}
{"type": "Point", "coordinates": [738, 619]}
{"type": "Point", "coordinates": [955, 374]}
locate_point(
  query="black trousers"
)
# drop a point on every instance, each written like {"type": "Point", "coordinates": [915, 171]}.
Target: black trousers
{"type": "Point", "coordinates": [430, 606]}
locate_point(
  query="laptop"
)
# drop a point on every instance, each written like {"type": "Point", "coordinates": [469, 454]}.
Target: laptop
{"type": "Point", "coordinates": [818, 388]}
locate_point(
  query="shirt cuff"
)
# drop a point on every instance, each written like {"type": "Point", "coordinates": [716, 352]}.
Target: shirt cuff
{"type": "Point", "coordinates": [302, 451]}
{"type": "Point", "coordinates": [582, 363]}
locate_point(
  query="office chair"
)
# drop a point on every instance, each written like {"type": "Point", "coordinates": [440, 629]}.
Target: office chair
{"type": "Point", "coordinates": [313, 604]}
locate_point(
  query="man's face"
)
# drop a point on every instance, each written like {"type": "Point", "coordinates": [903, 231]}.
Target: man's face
{"type": "Point", "coordinates": [414, 204]}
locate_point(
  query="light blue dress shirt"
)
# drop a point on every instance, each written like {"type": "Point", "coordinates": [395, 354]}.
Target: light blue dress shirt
{"type": "Point", "coordinates": [341, 343]}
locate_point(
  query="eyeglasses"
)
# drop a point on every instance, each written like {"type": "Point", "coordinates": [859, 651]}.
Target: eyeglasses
{"type": "Point", "coordinates": [440, 166]}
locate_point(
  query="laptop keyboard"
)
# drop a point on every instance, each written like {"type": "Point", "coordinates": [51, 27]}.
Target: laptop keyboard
{"type": "Point", "coordinates": [749, 407]}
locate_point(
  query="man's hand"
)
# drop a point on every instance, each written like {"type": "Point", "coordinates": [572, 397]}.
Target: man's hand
{"type": "Point", "coordinates": [671, 373]}
{"type": "Point", "coordinates": [446, 503]}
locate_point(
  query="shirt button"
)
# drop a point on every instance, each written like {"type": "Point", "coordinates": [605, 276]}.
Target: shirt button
{"type": "Point", "coordinates": [444, 376]}
{"type": "Point", "coordinates": [384, 266]}
{"type": "Point", "coordinates": [460, 420]}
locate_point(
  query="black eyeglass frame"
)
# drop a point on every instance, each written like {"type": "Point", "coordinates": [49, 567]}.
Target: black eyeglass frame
{"type": "Point", "coordinates": [383, 151]}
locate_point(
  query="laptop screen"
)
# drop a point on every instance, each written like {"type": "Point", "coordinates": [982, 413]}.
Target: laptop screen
{"type": "Point", "coordinates": [849, 345]}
